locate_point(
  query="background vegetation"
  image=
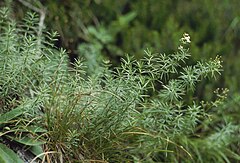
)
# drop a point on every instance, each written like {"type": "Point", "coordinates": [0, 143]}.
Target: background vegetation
{"type": "Point", "coordinates": [111, 29]}
{"type": "Point", "coordinates": [100, 30]}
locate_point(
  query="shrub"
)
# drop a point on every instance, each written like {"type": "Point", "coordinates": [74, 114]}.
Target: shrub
{"type": "Point", "coordinates": [111, 115]}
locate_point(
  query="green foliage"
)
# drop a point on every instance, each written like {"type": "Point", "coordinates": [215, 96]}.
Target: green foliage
{"type": "Point", "coordinates": [132, 26]}
{"type": "Point", "coordinates": [110, 116]}
{"type": "Point", "coordinates": [7, 155]}
{"type": "Point", "coordinates": [18, 130]}
{"type": "Point", "coordinates": [138, 112]}
{"type": "Point", "coordinates": [101, 39]}
{"type": "Point", "coordinates": [21, 67]}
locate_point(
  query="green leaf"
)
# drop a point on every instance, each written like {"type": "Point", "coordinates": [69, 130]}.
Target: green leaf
{"type": "Point", "coordinates": [121, 23]}
{"type": "Point", "coordinates": [27, 141]}
{"type": "Point", "coordinates": [10, 115]}
{"type": "Point", "coordinates": [37, 150]}
{"type": "Point", "coordinates": [8, 156]}
{"type": "Point", "coordinates": [125, 19]}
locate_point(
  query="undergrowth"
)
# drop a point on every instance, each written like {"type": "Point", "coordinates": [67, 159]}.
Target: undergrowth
{"type": "Point", "coordinates": [113, 115]}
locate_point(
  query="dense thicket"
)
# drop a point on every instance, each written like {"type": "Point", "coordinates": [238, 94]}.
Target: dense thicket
{"type": "Point", "coordinates": [110, 29]}
{"type": "Point", "coordinates": [106, 30]}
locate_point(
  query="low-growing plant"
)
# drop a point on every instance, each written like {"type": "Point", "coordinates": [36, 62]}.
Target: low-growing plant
{"type": "Point", "coordinates": [133, 113]}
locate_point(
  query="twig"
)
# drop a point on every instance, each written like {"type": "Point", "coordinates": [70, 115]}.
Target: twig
{"type": "Point", "coordinates": [29, 5]}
